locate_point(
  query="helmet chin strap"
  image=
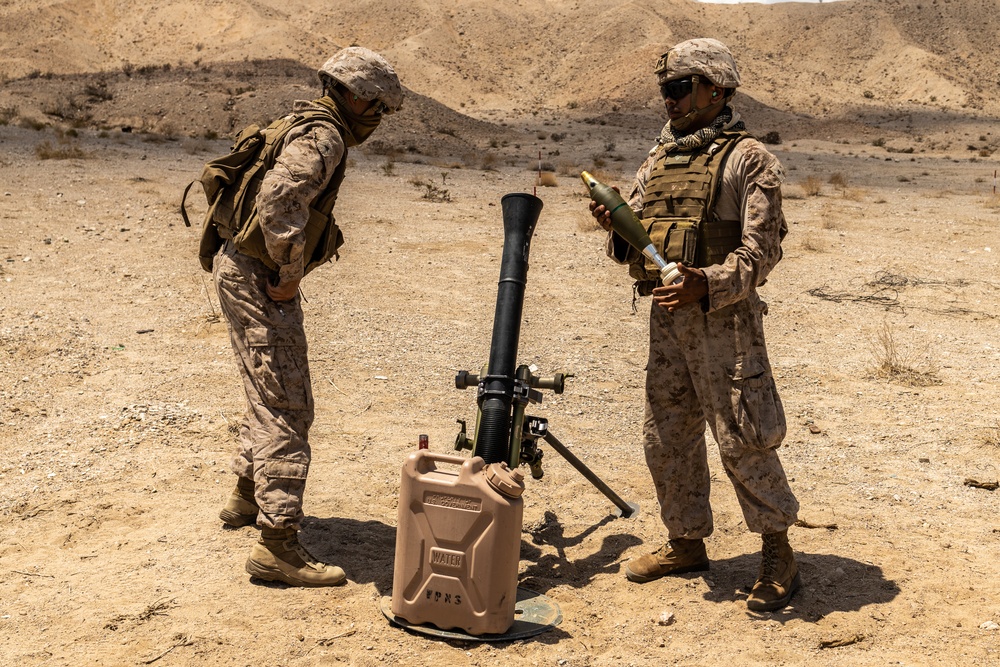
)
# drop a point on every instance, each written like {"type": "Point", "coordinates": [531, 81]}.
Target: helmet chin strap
{"type": "Point", "coordinates": [685, 121]}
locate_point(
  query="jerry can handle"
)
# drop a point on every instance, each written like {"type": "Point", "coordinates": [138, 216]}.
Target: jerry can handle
{"type": "Point", "coordinates": [424, 460]}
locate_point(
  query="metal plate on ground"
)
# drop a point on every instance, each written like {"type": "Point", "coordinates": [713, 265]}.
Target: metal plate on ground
{"type": "Point", "coordinates": [534, 613]}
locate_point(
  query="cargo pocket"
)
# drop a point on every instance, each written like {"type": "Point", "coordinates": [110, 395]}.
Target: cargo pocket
{"type": "Point", "coordinates": [760, 416]}
{"type": "Point", "coordinates": [286, 483]}
{"type": "Point", "coordinates": [279, 367]}
{"type": "Point", "coordinates": [285, 469]}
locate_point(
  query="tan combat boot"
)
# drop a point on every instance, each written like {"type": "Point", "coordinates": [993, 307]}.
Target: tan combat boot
{"type": "Point", "coordinates": [241, 508]}
{"type": "Point", "coordinates": [278, 556]}
{"type": "Point", "coordinates": [779, 575]}
{"type": "Point", "coordinates": [674, 557]}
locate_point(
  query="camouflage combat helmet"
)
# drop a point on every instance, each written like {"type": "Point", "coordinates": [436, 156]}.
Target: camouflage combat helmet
{"type": "Point", "coordinates": [706, 57]}
{"type": "Point", "coordinates": [366, 74]}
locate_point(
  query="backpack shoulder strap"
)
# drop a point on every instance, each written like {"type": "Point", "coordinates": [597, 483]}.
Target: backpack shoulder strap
{"type": "Point", "coordinates": [275, 133]}
{"type": "Point", "coordinates": [184, 213]}
{"type": "Point", "coordinates": [731, 138]}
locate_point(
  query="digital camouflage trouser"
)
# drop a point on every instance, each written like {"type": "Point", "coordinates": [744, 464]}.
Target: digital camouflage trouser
{"type": "Point", "coordinates": [713, 367]}
{"type": "Point", "coordinates": [270, 345]}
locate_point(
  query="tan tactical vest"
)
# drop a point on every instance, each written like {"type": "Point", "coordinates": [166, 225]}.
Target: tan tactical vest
{"type": "Point", "coordinates": [679, 211]}
{"type": "Point", "coordinates": [231, 185]}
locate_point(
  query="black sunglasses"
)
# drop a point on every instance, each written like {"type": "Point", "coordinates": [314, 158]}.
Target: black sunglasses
{"type": "Point", "coordinates": [676, 90]}
{"type": "Point", "coordinates": [377, 108]}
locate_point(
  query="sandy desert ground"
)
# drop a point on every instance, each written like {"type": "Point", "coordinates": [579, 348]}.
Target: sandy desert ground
{"type": "Point", "coordinates": [118, 394]}
{"type": "Point", "coordinates": [119, 397]}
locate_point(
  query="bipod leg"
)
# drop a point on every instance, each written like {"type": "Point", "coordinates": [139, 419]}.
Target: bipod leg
{"type": "Point", "coordinates": [627, 509]}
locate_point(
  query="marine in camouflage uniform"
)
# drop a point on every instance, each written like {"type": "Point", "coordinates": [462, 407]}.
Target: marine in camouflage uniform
{"type": "Point", "coordinates": [707, 357]}
{"type": "Point", "coordinates": [258, 293]}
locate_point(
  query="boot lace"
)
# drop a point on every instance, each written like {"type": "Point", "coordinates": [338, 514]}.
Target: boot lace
{"type": "Point", "coordinates": [769, 559]}
{"type": "Point", "coordinates": [304, 554]}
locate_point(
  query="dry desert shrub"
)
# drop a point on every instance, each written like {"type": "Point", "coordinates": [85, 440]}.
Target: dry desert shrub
{"type": "Point", "coordinates": [791, 191]}
{"type": "Point", "coordinates": [811, 186]}
{"type": "Point", "coordinates": [893, 362]}
{"type": "Point", "coordinates": [992, 438]}
{"type": "Point", "coordinates": [488, 161]}
{"type": "Point", "coordinates": [838, 180]}
{"type": "Point", "coordinates": [31, 124]}
{"type": "Point", "coordinates": [587, 224]}
{"type": "Point", "coordinates": [62, 150]}
{"type": "Point", "coordinates": [546, 179]}
{"type": "Point", "coordinates": [810, 243]}
{"type": "Point", "coordinates": [193, 146]}
{"type": "Point", "coordinates": [7, 114]}
{"type": "Point", "coordinates": [431, 191]}
{"type": "Point", "coordinates": [566, 168]}
{"type": "Point", "coordinates": [854, 194]}
{"type": "Point", "coordinates": [573, 170]}
{"type": "Point", "coordinates": [992, 203]}
{"type": "Point", "coordinates": [379, 147]}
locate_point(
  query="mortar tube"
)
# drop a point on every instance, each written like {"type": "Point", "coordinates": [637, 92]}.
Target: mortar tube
{"type": "Point", "coordinates": [496, 390]}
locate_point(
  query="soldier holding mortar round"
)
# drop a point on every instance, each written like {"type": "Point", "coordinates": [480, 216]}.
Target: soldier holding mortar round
{"type": "Point", "coordinates": [709, 196]}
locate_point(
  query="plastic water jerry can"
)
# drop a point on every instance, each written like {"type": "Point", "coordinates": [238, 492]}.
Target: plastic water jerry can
{"type": "Point", "coordinates": [458, 543]}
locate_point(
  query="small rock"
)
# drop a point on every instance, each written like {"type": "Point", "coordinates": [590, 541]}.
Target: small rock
{"type": "Point", "coordinates": [666, 617]}
{"type": "Point", "coordinates": [989, 625]}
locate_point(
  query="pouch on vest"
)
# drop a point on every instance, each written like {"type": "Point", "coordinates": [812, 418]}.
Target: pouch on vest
{"type": "Point", "coordinates": [676, 240]}
{"type": "Point", "coordinates": [323, 240]}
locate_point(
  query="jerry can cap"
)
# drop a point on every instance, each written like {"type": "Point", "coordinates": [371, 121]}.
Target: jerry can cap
{"type": "Point", "coordinates": [503, 479]}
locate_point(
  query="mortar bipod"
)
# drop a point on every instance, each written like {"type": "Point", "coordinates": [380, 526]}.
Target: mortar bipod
{"type": "Point", "coordinates": [526, 430]}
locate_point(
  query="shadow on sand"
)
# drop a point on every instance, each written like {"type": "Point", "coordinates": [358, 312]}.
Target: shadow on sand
{"type": "Point", "coordinates": [830, 583]}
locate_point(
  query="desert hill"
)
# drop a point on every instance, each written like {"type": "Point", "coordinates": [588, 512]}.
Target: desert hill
{"type": "Point", "coordinates": [203, 66]}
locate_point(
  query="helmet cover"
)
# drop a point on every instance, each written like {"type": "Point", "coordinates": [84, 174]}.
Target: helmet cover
{"type": "Point", "coordinates": [366, 74]}
{"type": "Point", "coordinates": [706, 57]}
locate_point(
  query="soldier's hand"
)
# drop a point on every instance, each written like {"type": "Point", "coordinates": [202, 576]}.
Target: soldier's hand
{"type": "Point", "coordinates": [601, 213]}
{"type": "Point", "coordinates": [283, 291]}
{"type": "Point", "coordinates": [692, 289]}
